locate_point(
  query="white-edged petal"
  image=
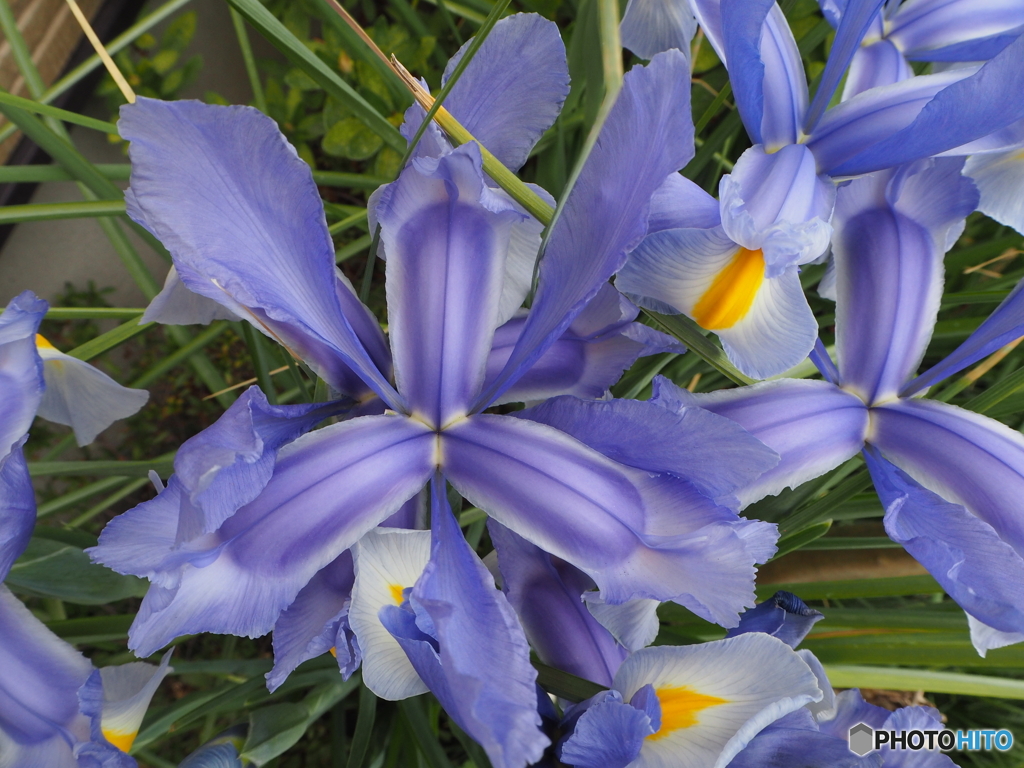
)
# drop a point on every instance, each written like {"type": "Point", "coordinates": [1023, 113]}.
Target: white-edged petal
{"type": "Point", "coordinates": [387, 561]}
{"type": "Point", "coordinates": [177, 305]}
{"type": "Point", "coordinates": [750, 681]}
{"type": "Point", "coordinates": [127, 691]}
{"type": "Point", "coordinates": [985, 638]}
{"type": "Point", "coordinates": [634, 623]}
{"type": "Point", "coordinates": [82, 396]}
{"type": "Point", "coordinates": [1000, 179]}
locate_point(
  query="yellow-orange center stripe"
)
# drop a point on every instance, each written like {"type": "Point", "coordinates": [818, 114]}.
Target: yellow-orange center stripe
{"type": "Point", "coordinates": [679, 708]}
{"type": "Point", "coordinates": [732, 293]}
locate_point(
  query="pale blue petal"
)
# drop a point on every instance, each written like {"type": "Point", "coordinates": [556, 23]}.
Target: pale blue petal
{"type": "Point", "coordinates": [447, 236]}
{"type": "Point", "coordinates": [984, 638]}
{"type": "Point", "coordinates": [648, 134]}
{"type": "Point", "coordinates": [979, 49]}
{"type": "Point", "coordinates": [794, 741]}
{"type": "Point", "coordinates": [875, 65]}
{"type": "Point", "coordinates": [709, 17]}
{"type": "Point", "coordinates": [213, 755]}
{"type": "Point", "coordinates": [177, 305]}
{"type": "Point", "coordinates": [915, 719]}
{"type": "Point", "coordinates": [609, 734]}
{"type": "Point", "coordinates": [783, 615]}
{"type": "Point", "coordinates": [680, 204]}
{"type": "Point", "coordinates": [634, 624]}
{"type": "Point", "coordinates": [982, 573]}
{"type": "Point", "coordinates": [547, 596]}
{"type": "Point", "coordinates": [329, 487]}
{"type": "Point", "coordinates": [116, 699]}
{"type": "Point", "coordinates": [1000, 179]}
{"type": "Point", "coordinates": [250, 235]}
{"type": "Point", "coordinates": [924, 26]}
{"type": "Point", "coordinates": [17, 507]}
{"type": "Point", "coordinates": [813, 425]}
{"type": "Point", "coordinates": [21, 370]}
{"type": "Point", "coordinates": [513, 89]}
{"type": "Point", "coordinates": [54, 752]}
{"type": "Point", "coordinates": [652, 26]}
{"type": "Point", "coordinates": [891, 235]}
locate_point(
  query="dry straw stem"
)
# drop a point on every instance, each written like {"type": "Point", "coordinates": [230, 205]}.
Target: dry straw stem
{"type": "Point", "coordinates": [126, 90]}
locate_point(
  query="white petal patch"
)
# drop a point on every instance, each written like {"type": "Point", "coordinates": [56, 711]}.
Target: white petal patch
{"type": "Point", "coordinates": [82, 396]}
{"type": "Point", "coordinates": [985, 638]}
{"type": "Point", "coordinates": [633, 624]}
{"type": "Point", "coordinates": [177, 305]}
{"type": "Point", "coordinates": [127, 691]}
{"type": "Point", "coordinates": [715, 697]}
{"type": "Point", "coordinates": [387, 561]}
{"type": "Point", "coordinates": [1000, 179]}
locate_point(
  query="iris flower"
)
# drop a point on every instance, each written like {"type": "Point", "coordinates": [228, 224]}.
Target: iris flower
{"type": "Point", "coordinates": [947, 33]}
{"type": "Point", "coordinates": [57, 710]}
{"type": "Point", "coordinates": [261, 513]}
{"type": "Point", "coordinates": [735, 270]}
{"type": "Point", "coordinates": [37, 379]}
{"type": "Point", "coordinates": [950, 480]}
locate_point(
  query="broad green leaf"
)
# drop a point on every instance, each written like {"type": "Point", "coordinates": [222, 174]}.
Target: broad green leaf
{"type": "Point", "coordinates": [272, 730]}
{"type": "Point", "coordinates": [50, 568]}
{"type": "Point", "coordinates": [92, 629]}
{"type": "Point", "coordinates": [424, 735]}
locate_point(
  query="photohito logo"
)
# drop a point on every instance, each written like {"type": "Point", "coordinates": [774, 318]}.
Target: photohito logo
{"type": "Point", "coordinates": [864, 739]}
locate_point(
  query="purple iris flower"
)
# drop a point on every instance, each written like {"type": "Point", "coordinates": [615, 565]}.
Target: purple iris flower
{"type": "Point", "coordinates": [56, 710]}
{"type": "Point", "coordinates": [735, 270]}
{"type": "Point", "coordinates": [950, 480]}
{"type": "Point", "coordinates": [255, 527]}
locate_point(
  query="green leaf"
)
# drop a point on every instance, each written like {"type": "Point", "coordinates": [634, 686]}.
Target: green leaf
{"type": "Point", "coordinates": [272, 730]}
{"type": "Point", "coordinates": [61, 114]}
{"type": "Point", "coordinates": [692, 335]}
{"type": "Point", "coordinates": [425, 737]}
{"type": "Point", "coordinates": [802, 538]}
{"type": "Point", "coordinates": [563, 684]}
{"type": "Point", "coordinates": [352, 139]}
{"type": "Point", "coordinates": [163, 465]}
{"type": "Point", "coordinates": [296, 52]}
{"type": "Point", "coordinates": [14, 214]}
{"type": "Point", "coordinates": [364, 728]}
{"type": "Point", "coordinates": [843, 676]}
{"type": "Point", "coordinates": [110, 339]}
{"type": "Point", "coordinates": [92, 629]}
{"type": "Point", "coordinates": [50, 568]}
{"type": "Point", "coordinates": [839, 590]}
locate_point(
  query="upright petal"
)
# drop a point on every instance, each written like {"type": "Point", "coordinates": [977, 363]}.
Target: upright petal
{"type": "Point", "coordinates": [920, 117]}
{"type": "Point", "coordinates": [891, 235]}
{"type": "Point", "coordinates": [316, 622]}
{"type": "Point", "coordinates": [652, 26]}
{"type": "Point", "coordinates": [984, 638]}
{"type": "Point", "coordinates": [177, 305]}
{"type": "Point", "coordinates": [648, 134]}
{"type": "Point", "coordinates": [921, 28]}
{"type": "Point", "coordinates": [229, 463]}
{"type": "Point", "coordinates": [982, 573]}
{"type": "Point", "coordinates": [715, 697]}
{"type": "Point", "coordinates": [329, 487]}
{"type": "Point", "coordinates": [116, 699]}
{"type": "Point", "coordinates": [766, 71]}
{"type": "Point", "coordinates": [609, 734]}
{"type": "Point", "coordinates": [813, 425]}
{"type": "Point", "coordinates": [1000, 179]}
{"type": "Point", "coordinates": [480, 670]}
{"type": "Point", "coordinates": [250, 235]}
{"type": "Point", "coordinates": [875, 65]}
{"type": "Point", "coordinates": [82, 396]}
{"type": "Point", "coordinates": [635, 534]}
{"type": "Point", "coordinates": [17, 507]}
{"type": "Point", "coordinates": [21, 370]}
{"type": "Point", "coordinates": [513, 89]}
{"type": "Point", "coordinates": [711, 452]}
{"type": "Point", "coordinates": [964, 457]}
{"type": "Point", "coordinates": [40, 676]}
{"type": "Point", "coordinates": [547, 595]}
{"type": "Point", "coordinates": [447, 237]}
{"type": "Point", "coordinates": [783, 615]}
{"type": "Point", "coordinates": [388, 562]}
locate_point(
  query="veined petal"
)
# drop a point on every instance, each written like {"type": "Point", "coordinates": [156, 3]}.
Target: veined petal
{"type": "Point", "coordinates": [40, 675]}
{"type": "Point", "coordinates": [979, 49]}
{"type": "Point", "coordinates": [794, 740]}
{"type": "Point", "coordinates": [920, 117]}
{"type": "Point", "coordinates": [891, 236]}
{"type": "Point", "coordinates": [915, 719]}
{"type": "Point", "coordinates": [547, 595]}
{"type": "Point", "coordinates": [964, 457]}
{"type": "Point", "coordinates": [647, 135]}
{"type": "Point", "coordinates": [634, 623]}
{"type": "Point", "coordinates": [315, 623]}
{"type": "Point", "coordinates": [766, 71]}
{"type": "Point", "coordinates": [21, 370]}
{"type": "Point", "coordinates": [783, 615]}
{"type": "Point", "coordinates": [116, 699]}
{"type": "Point", "coordinates": [925, 25]}
{"type": "Point", "coordinates": [54, 752]}
{"type": "Point", "coordinates": [680, 204]}
{"type": "Point", "coordinates": [635, 534]}
{"type": "Point", "coordinates": [329, 487]}
{"type": "Point", "coordinates": [481, 670]}
{"type": "Point", "coordinates": [715, 697]}
{"type": "Point", "coordinates": [177, 305]}
{"type": "Point", "coordinates": [588, 358]}
{"type": "Point", "coordinates": [813, 425]}
{"type": "Point", "coordinates": [652, 26]}
{"type": "Point", "coordinates": [875, 65]}
{"type": "Point", "coordinates": [982, 573]}
{"type": "Point", "coordinates": [221, 752]}
{"type": "Point", "coordinates": [711, 452]}
{"type": "Point", "coordinates": [1000, 179]}
{"type": "Point", "coordinates": [251, 236]}
{"type": "Point", "coordinates": [447, 237]}
{"type": "Point", "coordinates": [709, 17]}
{"type": "Point", "coordinates": [82, 396]}
{"type": "Point", "coordinates": [778, 203]}
{"type": "Point", "coordinates": [513, 89]}
{"type": "Point", "coordinates": [609, 734]}
{"type": "Point", "coordinates": [857, 18]}
{"type": "Point", "coordinates": [388, 561]}
{"type": "Point", "coordinates": [17, 507]}
{"type": "Point", "coordinates": [229, 463]}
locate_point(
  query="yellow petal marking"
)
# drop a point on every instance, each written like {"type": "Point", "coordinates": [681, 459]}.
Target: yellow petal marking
{"type": "Point", "coordinates": [396, 593]}
{"type": "Point", "coordinates": [732, 293]}
{"type": "Point", "coordinates": [43, 343]}
{"type": "Point", "coordinates": [334, 651]}
{"type": "Point", "coordinates": [679, 708]}
{"type": "Point", "coordinates": [122, 741]}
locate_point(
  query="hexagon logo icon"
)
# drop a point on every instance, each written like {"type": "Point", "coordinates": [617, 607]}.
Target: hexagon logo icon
{"type": "Point", "coordinates": [862, 738]}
